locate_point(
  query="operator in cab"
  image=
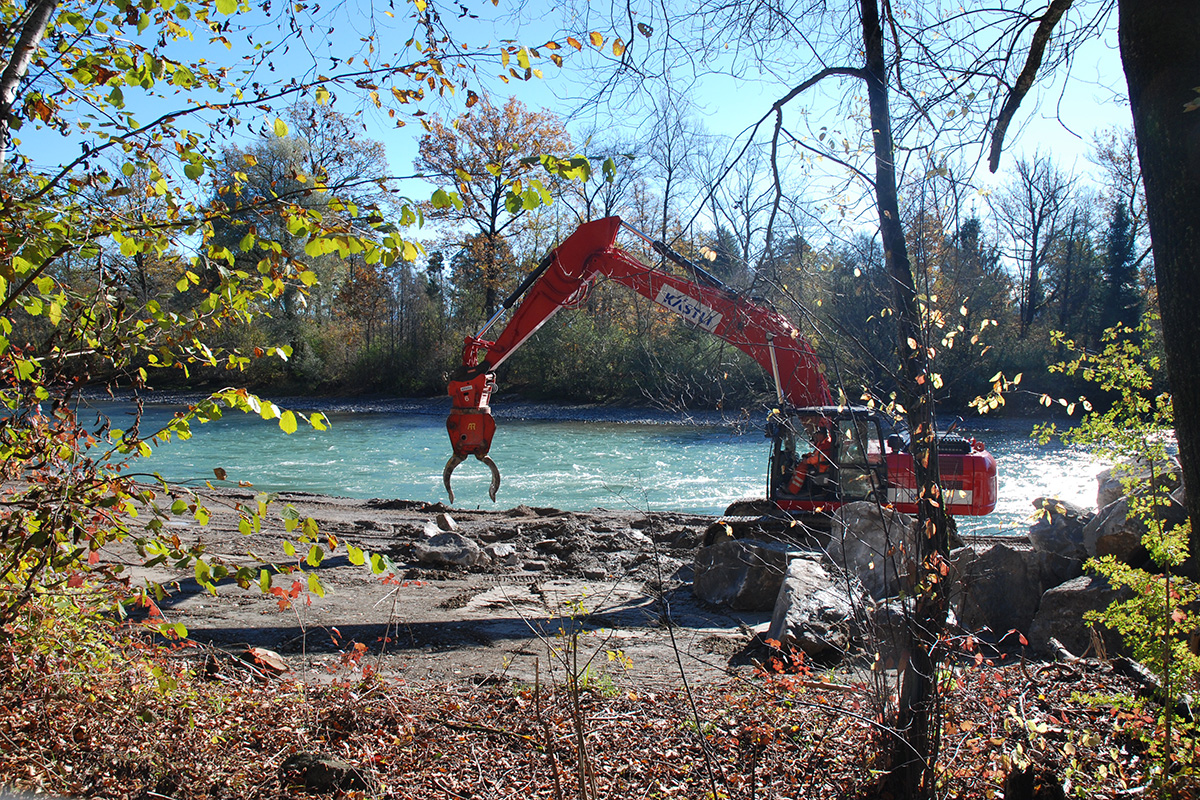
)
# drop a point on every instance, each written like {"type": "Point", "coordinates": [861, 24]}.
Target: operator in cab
{"type": "Point", "coordinates": [815, 462]}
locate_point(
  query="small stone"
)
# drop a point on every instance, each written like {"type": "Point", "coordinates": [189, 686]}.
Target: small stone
{"type": "Point", "coordinates": [446, 522]}
{"type": "Point", "coordinates": [450, 549]}
{"type": "Point", "coordinates": [535, 566]}
{"type": "Point", "coordinates": [320, 774]}
{"type": "Point", "coordinates": [503, 554]}
{"type": "Point", "coordinates": [268, 659]}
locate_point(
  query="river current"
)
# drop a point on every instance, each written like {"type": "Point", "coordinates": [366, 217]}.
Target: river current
{"type": "Point", "coordinates": [575, 458]}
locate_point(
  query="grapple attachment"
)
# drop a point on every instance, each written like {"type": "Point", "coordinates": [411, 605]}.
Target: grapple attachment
{"type": "Point", "coordinates": [471, 427]}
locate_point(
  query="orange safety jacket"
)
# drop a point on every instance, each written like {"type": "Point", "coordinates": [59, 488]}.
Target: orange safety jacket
{"type": "Point", "coordinates": [818, 459]}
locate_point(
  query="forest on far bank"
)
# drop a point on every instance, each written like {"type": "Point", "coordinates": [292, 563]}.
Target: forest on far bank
{"type": "Point", "coordinates": [1048, 250]}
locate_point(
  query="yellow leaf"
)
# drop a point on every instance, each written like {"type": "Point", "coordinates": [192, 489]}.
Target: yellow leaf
{"type": "Point", "coordinates": [571, 40]}
{"type": "Point", "coordinates": [596, 39]}
{"type": "Point", "coordinates": [618, 47]}
{"type": "Point", "coordinates": [281, 128]}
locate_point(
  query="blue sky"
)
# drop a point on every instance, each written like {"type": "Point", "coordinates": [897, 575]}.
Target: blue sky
{"type": "Point", "coordinates": [1086, 101]}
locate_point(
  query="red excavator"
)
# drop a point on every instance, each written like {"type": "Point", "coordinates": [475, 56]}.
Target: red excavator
{"type": "Point", "coordinates": [822, 454]}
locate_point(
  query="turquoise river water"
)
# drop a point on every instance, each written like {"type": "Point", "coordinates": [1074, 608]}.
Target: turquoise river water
{"type": "Point", "coordinates": [573, 458]}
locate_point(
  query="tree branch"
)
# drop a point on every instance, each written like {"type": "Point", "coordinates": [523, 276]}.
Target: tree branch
{"type": "Point", "coordinates": [1037, 49]}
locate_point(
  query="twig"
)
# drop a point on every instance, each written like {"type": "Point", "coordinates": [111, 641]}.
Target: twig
{"type": "Point", "coordinates": [549, 744]}
{"type": "Point", "coordinates": [477, 728]}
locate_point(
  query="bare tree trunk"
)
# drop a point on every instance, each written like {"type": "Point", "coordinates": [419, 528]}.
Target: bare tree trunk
{"type": "Point", "coordinates": [39, 13]}
{"type": "Point", "coordinates": [914, 745]}
{"type": "Point", "coordinates": [1160, 50]}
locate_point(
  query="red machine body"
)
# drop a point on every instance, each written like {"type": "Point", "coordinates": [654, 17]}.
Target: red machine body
{"type": "Point", "coordinates": [858, 468]}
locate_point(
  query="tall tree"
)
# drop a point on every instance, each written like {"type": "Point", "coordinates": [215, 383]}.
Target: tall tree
{"type": "Point", "coordinates": [485, 153]}
{"type": "Point", "coordinates": [1074, 276]}
{"type": "Point", "coordinates": [1160, 49]}
{"type": "Point", "coordinates": [326, 166]}
{"type": "Point", "coordinates": [1160, 53]}
{"type": "Point", "coordinates": [1033, 209]}
{"type": "Point", "coordinates": [108, 99]}
{"type": "Point", "coordinates": [1122, 302]}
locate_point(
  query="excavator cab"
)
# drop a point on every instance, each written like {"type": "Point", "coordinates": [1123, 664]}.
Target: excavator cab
{"type": "Point", "coordinates": [867, 459]}
{"type": "Point", "coordinates": [825, 455]}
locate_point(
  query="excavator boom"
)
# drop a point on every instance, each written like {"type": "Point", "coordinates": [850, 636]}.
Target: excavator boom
{"type": "Point", "coordinates": [562, 281]}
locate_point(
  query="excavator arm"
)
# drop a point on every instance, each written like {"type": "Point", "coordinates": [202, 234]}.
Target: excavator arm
{"type": "Point", "coordinates": [562, 280]}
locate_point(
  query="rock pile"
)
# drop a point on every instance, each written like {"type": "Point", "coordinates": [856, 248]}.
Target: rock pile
{"type": "Point", "coordinates": [851, 592]}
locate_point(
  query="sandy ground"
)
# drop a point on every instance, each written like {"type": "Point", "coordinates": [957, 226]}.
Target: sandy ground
{"type": "Point", "coordinates": [619, 581]}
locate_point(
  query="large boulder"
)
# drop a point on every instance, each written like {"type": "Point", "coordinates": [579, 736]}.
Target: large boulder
{"type": "Point", "coordinates": [1058, 528]}
{"type": "Point", "coordinates": [888, 635]}
{"type": "Point", "coordinates": [450, 550]}
{"type": "Point", "coordinates": [1113, 533]}
{"type": "Point", "coordinates": [1060, 616]}
{"type": "Point", "coordinates": [1110, 483]}
{"type": "Point", "coordinates": [813, 611]}
{"type": "Point", "coordinates": [740, 573]}
{"type": "Point", "coordinates": [875, 545]}
{"type": "Point", "coordinates": [1001, 586]}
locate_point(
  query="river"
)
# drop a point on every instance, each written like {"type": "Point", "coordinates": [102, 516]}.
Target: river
{"type": "Point", "coordinates": [569, 458]}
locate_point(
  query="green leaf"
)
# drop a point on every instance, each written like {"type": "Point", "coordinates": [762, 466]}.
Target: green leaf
{"type": "Point", "coordinates": [194, 170]}
{"type": "Point", "coordinates": [287, 422]}
{"type": "Point", "coordinates": [314, 585]}
{"type": "Point", "coordinates": [315, 556]}
{"type": "Point", "coordinates": [356, 556]}
{"type": "Point", "coordinates": [308, 278]}
{"type": "Point", "coordinates": [227, 7]}
{"type": "Point", "coordinates": [264, 581]}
